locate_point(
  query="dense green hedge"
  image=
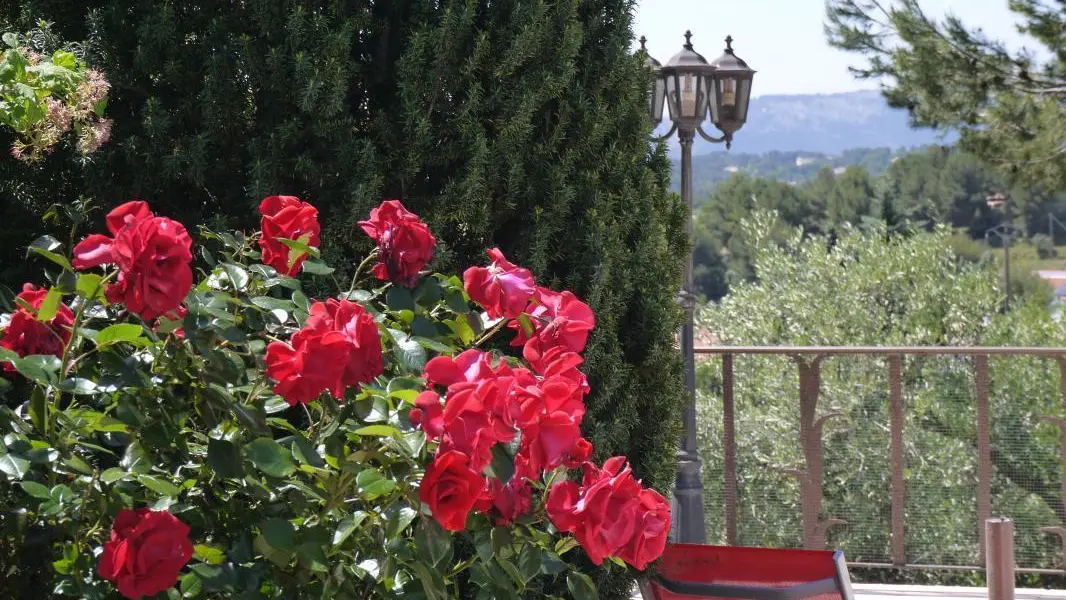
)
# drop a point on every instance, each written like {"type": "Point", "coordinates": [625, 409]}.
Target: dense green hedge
{"type": "Point", "coordinates": [515, 123]}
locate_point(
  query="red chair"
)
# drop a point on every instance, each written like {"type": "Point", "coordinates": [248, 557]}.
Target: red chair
{"type": "Point", "coordinates": [724, 572]}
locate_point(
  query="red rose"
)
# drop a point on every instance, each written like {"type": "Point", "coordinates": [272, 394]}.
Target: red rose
{"type": "Point", "coordinates": [26, 336]}
{"type": "Point", "coordinates": [312, 364]}
{"type": "Point", "coordinates": [512, 501]}
{"type": "Point", "coordinates": [610, 514]}
{"type": "Point", "coordinates": [405, 244]}
{"type": "Point", "coordinates": [562, 504]}
{"type": "Point", "coordinates": [428, 414]}
{"type": "Point", "coordinates": [338, 347]}
{"type": "Point", "coordinates": [290, 218]}
{"type": "Point", "coordinates": [146, 552]}
{"type": "Point", "coordinates": [653, 527]}
{"type": "Point", "coordinates": [607, 510]}
{"type": "Point", "coordinates": [450, 489]}
{"type": "Point", "coordinates": [364, 361]}
{"type": "Point", "coordinates": [580, 453]}
{"type": "Point", "coordinates": [547, 443]}
{"type": "Point", "coordinates": [471, 429]}
{"type": "Point", "coordinates": [469, 366]}
{"type": "Point", "coordinates": [502, 288]}
{"type": "Point", "coordinates": [559, 320]}
{"type": "Point", "coordinates": [152, 255]}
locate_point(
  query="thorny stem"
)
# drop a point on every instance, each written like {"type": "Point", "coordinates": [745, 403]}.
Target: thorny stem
{"type": "Point", "coordinates": [358, 270]}
{"type": "Point", "coordinates": [495, 329]}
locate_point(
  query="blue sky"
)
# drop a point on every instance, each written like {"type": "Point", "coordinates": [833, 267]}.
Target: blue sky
{"type": "Point", "coordinates": [783, 39]}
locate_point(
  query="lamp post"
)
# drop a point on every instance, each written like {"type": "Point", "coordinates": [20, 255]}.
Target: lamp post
{"type": "Point", "coordinates": [1005, 231]}
{"type": "Point", "coordinates": [695, 91]}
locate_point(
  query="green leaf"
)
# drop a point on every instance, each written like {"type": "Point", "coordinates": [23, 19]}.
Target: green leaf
{"type": "Point", "coordinates": [372, 484]}
{"type": "Point", "coordinates": [224, 459]}
{"type": "Point", "coordinates": [78, 386]}
{"type": "Point", "coordinates": [39, 409]}
{"type": "Point", "coordinates": [434, 345]}
{"type": "Point", "coordinates": [315, 267]}
{"type": "Point", "coordinates": [36, 490]}
{"type": "Point", "coordinates": [270, 457]}
{"type": "Point", "coordinates": [399, 298]}
{"type": "Point", "coordinates": [565, 545]}
{"type": "Point", "coordinates": [304, 452]}
{"type": "Point", "coordinates": [43, 369]}
{"type": "Point", "coordinates": [581, 586]}
{"type": "Point", "coordinates": [50, 305]}
{"type": "Point", "coordinates": [279, 533]}
{"type": "Point", "coordinates": [250, 416]}
{"type": "Point", "coordinates": [91, 287]}
{"type": "Point", "coordinates": [62, 58]}
{"type": "Point", "coordinates": [457, 303]}
{"type": "Point", "coordinates": [511, 570]}
{"type": "Point", "coordinates": [299, 248]}
{"type": "Point", "coordinates": [432, 540]}
{"type": "Point", "coordinates": [15, 467]}
{"type": "Point", "coordinates": [113, 474]}
{"type": "Point", "coordinates": [67, 282]}
{"type": "Point", "coordinates": [378, 431]}
{"type": "Point", "coordinates": [268, 303]}
{"type": "Point", "coordinates": [411, 354]}
{"type": "Point", "coordinates": [117, 333]}
{"type": "Point", "coordinates": [347, 526]}
{"type": "Point", "coordinates": [11, 39]}
{"type": "Point", "coordinates": [529, 562]}
{"type": "Point", "coordinates": [236, 275]}
{"type": "Point", "coordinates": [301, 301]}
{"type": "Point", "coordinates": [46, 246]}
{"type": "Point", "coordinates": [61, 494]}
{"type": "Point", "coordinates": [281, 558]}
{"type": "Point", "coordinates": [312, 557]}
{"type": "Point", "coordinates": [159, 486]}
{"type": "Point", "coordinates": [275, 404]}
{"type": "Point", "coordinates": [7, 298]}
{"type": "Point", "coordinates": [551, 564]}
{"type": "Point", "coordinates": [191, 585]}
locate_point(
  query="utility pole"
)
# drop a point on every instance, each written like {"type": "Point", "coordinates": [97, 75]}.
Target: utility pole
{"type": "Point", "coordinates": [1005, 231]}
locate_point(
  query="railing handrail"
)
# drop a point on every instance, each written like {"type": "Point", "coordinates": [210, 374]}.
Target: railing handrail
{"type": "Point", "coordinates": [887, 350]}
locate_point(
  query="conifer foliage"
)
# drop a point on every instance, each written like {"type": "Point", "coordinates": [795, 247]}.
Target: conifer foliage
{"type": "Point", "coordinates": [516, 124]}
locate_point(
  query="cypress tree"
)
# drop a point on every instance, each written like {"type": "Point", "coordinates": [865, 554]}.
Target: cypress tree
{"type": "Point", "coordinates": [511, 123]}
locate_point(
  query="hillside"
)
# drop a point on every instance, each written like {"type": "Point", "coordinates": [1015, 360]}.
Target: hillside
{"type": "Point", "coordinates": [791, 137]}
{"type": "Point", "coordinates": [823, 123]}
{"type": "Point", "coordinates": [711, 170]}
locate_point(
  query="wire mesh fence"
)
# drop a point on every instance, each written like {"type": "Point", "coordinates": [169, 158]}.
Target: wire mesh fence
{"type": "Point", "coordinates": [897, 456]}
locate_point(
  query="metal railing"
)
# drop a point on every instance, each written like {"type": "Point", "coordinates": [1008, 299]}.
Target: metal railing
{"type": "Point", "coordinates": [935, 442]}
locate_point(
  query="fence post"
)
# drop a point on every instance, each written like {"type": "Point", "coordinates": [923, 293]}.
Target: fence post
{"type": "Point", "coordinates": [729, 442]}
{"type": "Point", "coordinates": [999, 556]}
{"type": "Point", "coordinates": [984, 452]}
{"type": "Point", "coordinates": [895, 381]}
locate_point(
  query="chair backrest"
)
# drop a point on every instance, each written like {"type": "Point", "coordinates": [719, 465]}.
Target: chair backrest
{"type": "Point", "coordinates": [725, 572]}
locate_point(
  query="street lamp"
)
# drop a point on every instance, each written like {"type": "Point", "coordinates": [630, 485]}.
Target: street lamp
{"type": "Point", "coordinates": [695, 91]}
{"type": "Point", "coordinates": [1005, 231]}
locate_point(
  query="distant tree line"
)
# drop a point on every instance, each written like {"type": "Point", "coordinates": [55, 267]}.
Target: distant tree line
{"type": "Point", "coordinates": [715, 168]}
{"type": "Point", "coordinates": [919, 190]}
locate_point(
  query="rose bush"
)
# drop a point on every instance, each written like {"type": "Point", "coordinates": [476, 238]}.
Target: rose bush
{"type": "Point", "coordinates": [224, 435]}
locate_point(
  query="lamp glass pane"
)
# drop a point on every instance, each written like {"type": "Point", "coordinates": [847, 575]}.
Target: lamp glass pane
{"type": "Point", "coordinates": [713, 96]}
{"type": "Point", "coordinates": [689, 82]}
{"type": "Point", "coordinates": [703, 96]}
{"type": "Point", "coordinates": [671, 95]}
{"type": "Point", "coordinates": [658, 97]}
{"type": "Point", "coordinates": [743, 99]}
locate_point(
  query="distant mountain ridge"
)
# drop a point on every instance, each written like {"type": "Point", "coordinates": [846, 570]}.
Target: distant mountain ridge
{"type": "Point", "coordinates": [822, 123]}
{"type": "Point", "coordinates": [791, 137]}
